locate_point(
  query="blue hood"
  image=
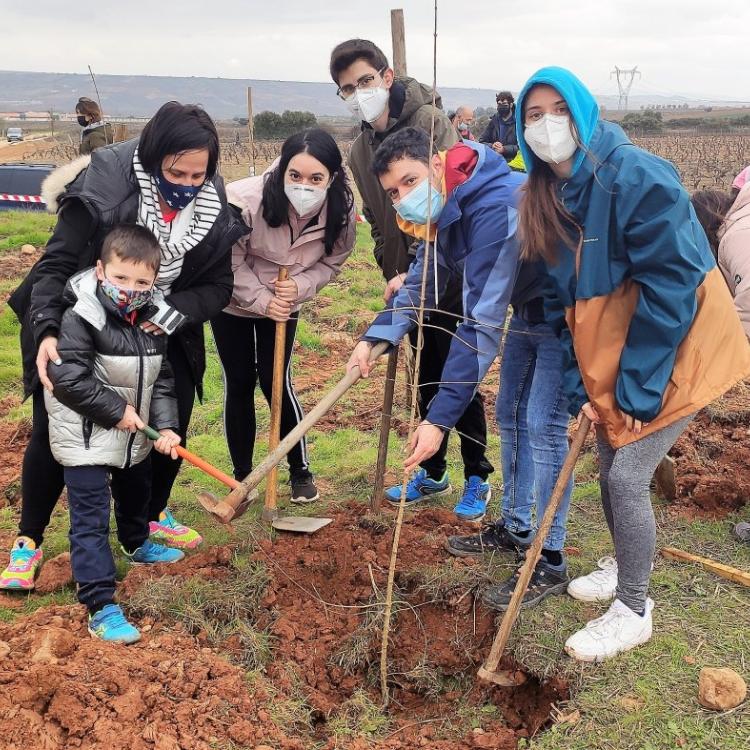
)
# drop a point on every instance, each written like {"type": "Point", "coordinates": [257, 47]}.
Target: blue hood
{"type": "Point", "coordinates": [583, 109]}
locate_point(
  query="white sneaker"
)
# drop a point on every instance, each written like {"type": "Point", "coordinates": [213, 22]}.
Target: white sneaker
{"type": "Point", "coordinates": [599, 586]}
{"type": "Point", "coordinates": [618, 629]}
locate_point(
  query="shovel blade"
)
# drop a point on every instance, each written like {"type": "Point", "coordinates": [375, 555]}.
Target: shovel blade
{"type": "Point", "coordinates": [502, 678]}
{"type": "Point", "coordinates": [300, 524]}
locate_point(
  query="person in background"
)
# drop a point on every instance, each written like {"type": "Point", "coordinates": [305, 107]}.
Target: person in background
{"type": "Point", "coordinates": [385, 105]}
{"type": "Point", "coordinates": [740, 181]}
{"type": "Point", "coordinates": [112, 379]}
{"type": "Point", "coordinates": [96, 133]}
{"type": "Point", "coordinates": [463, 120]}
{"type": "Point", "coordinates": [302, 214]}
{"type": "Point", "coordinates": [500, 132]}
{"type": "Point", "coordinates": [166, 180]}
{"type": "Point", "coordinates": [644, 315]}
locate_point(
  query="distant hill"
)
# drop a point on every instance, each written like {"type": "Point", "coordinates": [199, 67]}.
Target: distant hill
{"type": "Point", "coordinates": [223, 98]}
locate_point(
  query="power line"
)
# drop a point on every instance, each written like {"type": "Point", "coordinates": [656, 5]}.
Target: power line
{"type": "Point", "coordinates": [625, 78]}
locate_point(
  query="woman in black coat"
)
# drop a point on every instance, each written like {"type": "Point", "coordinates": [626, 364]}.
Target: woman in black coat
{"type": "Point", "coordinates": [165, 181]}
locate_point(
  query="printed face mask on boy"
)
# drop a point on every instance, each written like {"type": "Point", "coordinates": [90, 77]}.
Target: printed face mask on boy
{"type": "Point", "coordinates": [551, 138]}
{"type": "Point", "coordinates": [175, 196]}
{"type": "Point", "coordinates": [126, 300]}
{"type": "Point", "coordinates": [413, 206]}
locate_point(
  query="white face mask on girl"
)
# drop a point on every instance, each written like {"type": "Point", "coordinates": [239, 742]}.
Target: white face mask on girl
{"type": "Point", "coordinates": [305, 199]}
{"type": "Point", "coordinates": [551, 138]}
{"type": "Point", "coordinates": [368, 104]}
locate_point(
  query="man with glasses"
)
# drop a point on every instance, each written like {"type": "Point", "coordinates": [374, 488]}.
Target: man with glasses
{"type": "Point", "coordinates": [500, 132]}
{"type": "Point", "coordinates": [385, 104]}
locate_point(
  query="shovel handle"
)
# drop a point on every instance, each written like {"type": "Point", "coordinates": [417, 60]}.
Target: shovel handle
{"type": "Point", "coordinates": [720, 569]}
{"type": "Point", "coordinates": [204, 466]}
{"type": "Point", "coordinates": [272, 483]}
{"type": "Point", "coordinates": [535, 551]}
{"type": "Point", "coordinates": [385, 430]}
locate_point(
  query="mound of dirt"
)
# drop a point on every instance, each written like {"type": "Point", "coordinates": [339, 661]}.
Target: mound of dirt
{"type": "Point", "coordinates": [60, 688]}
{"type": "Point", "coordinates": [14, 436]}
{"type": "Point", "coordinates": [712, 457]}
{"type": "Point", "coordinates": [319, 609]}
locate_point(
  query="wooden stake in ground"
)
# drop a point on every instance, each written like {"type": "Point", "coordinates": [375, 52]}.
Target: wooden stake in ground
{"type": "Point", "coordinates": [488, 671]}
{"type": "Point", "coordinates": [429, 247]}
{"type": "Point", "coordinates": [272, 482]}
{"type": "Point", "coordinates": [385, 431]}
{"type": "Point", "coordinates": [398, 38]}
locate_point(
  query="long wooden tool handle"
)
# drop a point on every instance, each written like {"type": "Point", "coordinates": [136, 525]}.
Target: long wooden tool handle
{"type": "Point", "coordinates": [720, 569]}
{"type": "Point", "coordinates": [385, 431]}
{"type": "Point", "coordinates": [535, 550]}
{"type": "Point", "coordinates": [237, 495]}
{"type": "Point", "coordinates": [197, 461]}
{"type": "Point", "coordinates": [272, 484]}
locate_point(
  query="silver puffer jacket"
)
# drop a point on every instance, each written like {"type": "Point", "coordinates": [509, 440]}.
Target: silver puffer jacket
{"type": "Point", "coordinates": [106, 364]}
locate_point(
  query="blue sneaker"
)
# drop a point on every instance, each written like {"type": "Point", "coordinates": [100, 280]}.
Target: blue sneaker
{"type": "Point", "coordinates": [109, 624]}
{"type": "Point", "coordinates": [419, 487]}
{"type": "Point", "coordinates": [473, 504]}
{"type": "Point", "coordinates": [151, 553]}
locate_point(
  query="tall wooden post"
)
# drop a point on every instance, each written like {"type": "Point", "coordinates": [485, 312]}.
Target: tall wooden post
{"type": "Point", "coordinates": [251, 130]}
{"type": "Point", "coordinates": [398, 38]}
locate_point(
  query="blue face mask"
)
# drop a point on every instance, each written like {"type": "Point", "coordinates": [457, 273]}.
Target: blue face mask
{"type": "Point", "coordinates": [413, 206]}
{"type": "Point", "coordinates": [175, 196]}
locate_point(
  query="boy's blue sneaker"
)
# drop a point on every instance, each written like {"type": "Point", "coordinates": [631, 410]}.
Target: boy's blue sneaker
{"type": "Point", "coordinates": [419, 487]}
{"type": "Point", "coordinates": [110, 624]}
{"type": "Point", "coordinates": [151, 553]}
{"type": "Point", "coordinates": [473, 504]}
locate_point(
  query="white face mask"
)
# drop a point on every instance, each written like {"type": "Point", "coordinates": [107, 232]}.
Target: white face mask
{"type": "Point", "coordinates": [551, 138]}
{"type": "Point", "coordinates": [368, 104]}
{"type": "Point", "coordinates": [305, 199]}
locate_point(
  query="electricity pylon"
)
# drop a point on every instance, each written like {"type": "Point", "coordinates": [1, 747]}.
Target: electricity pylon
{"type": "Point", "coordinates": [625, 80]}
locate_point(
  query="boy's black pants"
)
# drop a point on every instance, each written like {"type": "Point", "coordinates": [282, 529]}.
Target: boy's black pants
{"type": "Point", "coordinates": [89, 502]}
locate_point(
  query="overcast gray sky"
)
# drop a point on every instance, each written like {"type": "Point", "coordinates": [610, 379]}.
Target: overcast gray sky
{"type": "Point", "coordinates": [691, 47]}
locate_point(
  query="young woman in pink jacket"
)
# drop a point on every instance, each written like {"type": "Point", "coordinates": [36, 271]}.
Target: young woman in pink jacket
{"type": "Point", "coordinates": [302, 216]}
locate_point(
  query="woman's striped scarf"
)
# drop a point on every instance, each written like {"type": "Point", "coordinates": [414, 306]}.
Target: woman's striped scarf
{"type": "Point", "coordinates": [205, 209]}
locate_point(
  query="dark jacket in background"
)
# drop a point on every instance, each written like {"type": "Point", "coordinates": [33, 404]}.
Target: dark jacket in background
{"type": "Point", "coordinates": [502, 131]}
{"type": "Point", "coordinates": [95, 138]}
{"type": "Point", "coordinates": [107, 363]}
{"type": "Point", "coordinates": [96, 197]}
{"type": "Point", "coordinates": [410, 106]}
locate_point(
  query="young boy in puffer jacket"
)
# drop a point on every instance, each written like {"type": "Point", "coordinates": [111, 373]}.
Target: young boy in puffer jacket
{"type": "Point", "coordinates": [112, 377]}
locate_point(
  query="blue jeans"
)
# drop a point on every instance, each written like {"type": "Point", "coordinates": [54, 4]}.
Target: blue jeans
{"type": "Point", "coordinates": [89, 499]}
{"type": "Point", "coordinates": [533, 419]}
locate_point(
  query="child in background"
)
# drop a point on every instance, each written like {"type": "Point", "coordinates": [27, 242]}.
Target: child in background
{"type": "Point", "coordinates": [111, 377]}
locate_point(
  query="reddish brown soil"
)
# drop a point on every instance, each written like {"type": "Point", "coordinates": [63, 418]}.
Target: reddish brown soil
{"type": "Point", "coordinates": [15, 265]}
{"type": "Point", "coordinates": [61, 689]}
{"type": "Point", "coordinates": [316, 603]}
{"type": "Point", "coordinates": [55, 574]}
{"type": "Point", "coordinates": [712, 458]}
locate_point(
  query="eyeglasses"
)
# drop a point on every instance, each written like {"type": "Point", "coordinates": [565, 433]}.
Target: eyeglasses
{"type": "Point", "coordinates": [365, 82]}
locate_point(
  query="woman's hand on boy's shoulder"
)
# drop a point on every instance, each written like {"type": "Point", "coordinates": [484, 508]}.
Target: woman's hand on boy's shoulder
{"type": "Point", "coordinates": [47, 353]}
{"type": "Point", "coordinates": [168, 442]}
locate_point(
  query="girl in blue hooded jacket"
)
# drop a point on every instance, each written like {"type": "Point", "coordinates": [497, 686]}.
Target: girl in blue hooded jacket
{"type": "Point", "coordinates": [645, 318]}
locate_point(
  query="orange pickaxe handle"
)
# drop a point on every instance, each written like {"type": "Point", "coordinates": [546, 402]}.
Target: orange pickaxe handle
{"type": "Point", "coordinates": [197, 461]}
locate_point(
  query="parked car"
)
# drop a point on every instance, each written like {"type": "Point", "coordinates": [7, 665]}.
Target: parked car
{"type": "Point", "coordinates": [20, 186]}
{"type": "Point", "coordinates": [14, 135]}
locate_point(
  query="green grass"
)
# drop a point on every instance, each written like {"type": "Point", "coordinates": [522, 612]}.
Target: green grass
{"type": "Point", "coordinates": [19, 228]}
{"type": "Point", "coordinates": [644, 700]}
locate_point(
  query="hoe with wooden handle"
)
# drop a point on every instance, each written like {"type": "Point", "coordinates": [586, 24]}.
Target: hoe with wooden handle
{"type": "Point", "coordinates": [488, 671]}
{"type": "Point", "coordinates": [236, 502]}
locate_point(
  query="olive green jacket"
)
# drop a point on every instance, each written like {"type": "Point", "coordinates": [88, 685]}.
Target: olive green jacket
{"type": "Point", "coordinates": [95, 138]}
{"type": "Point", "coordinates": [410, 106]}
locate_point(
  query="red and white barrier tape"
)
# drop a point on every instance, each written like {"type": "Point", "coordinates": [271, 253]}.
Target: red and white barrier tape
{"type": "Point", "coordinates": [21, 198]}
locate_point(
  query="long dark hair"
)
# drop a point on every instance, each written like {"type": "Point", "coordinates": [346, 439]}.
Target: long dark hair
{"type": "Point", "coordinates": [711, 208]}
{"type": "Point", "coordinates": [321, 146]}
{"type": "Point", "coordinates": [177, 128]}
